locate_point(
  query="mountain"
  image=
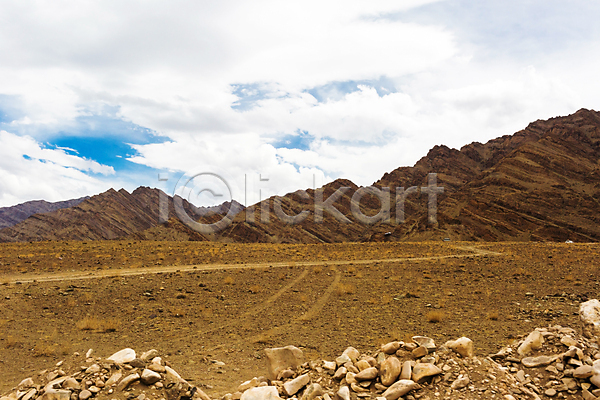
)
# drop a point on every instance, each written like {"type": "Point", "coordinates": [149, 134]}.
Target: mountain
{"type": "Point", "coordinates": [541, 183]}
{"type": "Point", "coordinates": [109, 215]}
{"type": "Point", "coordinates": [10, 216]}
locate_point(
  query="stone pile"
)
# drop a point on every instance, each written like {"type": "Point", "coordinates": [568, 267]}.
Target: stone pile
{"type": "Point", "coordinates": [551, 362]}
{"type": "Point", "coordinates": [122, 375]}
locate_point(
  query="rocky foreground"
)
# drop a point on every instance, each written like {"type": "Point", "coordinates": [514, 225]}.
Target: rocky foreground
{"type": "Point", "coordinates": [551, 362]}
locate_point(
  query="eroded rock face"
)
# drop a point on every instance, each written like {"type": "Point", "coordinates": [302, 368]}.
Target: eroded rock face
{"type": "Point", "coordinates": [589, 312]}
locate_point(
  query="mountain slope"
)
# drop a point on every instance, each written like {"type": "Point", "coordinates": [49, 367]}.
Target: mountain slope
{"type": "Point", "coordinates": [10, 216]}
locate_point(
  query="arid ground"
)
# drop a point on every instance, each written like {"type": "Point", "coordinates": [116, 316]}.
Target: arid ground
{"type": "Point", "coordinates": [198, 302]}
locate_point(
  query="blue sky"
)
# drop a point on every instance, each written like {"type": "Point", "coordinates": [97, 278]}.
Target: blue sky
{"type": "Point", "coordinates": [96, 95]}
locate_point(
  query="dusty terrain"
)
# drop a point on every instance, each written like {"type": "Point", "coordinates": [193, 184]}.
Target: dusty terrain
{"type": "Point", "coordinates": [197, 302]}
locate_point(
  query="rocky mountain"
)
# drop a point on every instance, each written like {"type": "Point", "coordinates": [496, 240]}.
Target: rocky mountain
{"type": "Point", "coordinates": [541, 183]}
{"type": "Point", "coordinates": [10, 216]}
{"type": "Point", "coordinates": [109, 215]}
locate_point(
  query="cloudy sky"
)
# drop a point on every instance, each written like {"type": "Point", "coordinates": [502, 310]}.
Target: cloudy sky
{"type": "Point", "coordinates": [106, 94]}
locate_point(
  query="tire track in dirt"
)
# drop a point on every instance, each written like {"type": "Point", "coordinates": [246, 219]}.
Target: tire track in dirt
{"type": "Point", "coordinates": [309, 314]}
{"type": "Point", "coordinates": [124, 272]}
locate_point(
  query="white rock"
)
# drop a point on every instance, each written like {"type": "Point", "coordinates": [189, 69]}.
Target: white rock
{"type": "Point", "coordinates": [85, 394]}
{"type": "Point", "coordinates": [589, 312]}
{"type": "Point", "coordinates": [532, 342]}
{"type": "Point", "coordinates": [149, 377]}
{"type": "Point", "coordinates": [406, 373]}
{"type": "Point", "coordinates": [123, 356]}
{"type": "Point", "coordinates": [281, 358]}
{"type": "Point", "coordinates": [340, 373]}
{"type": "Point", "coordinates": [463, 346]}
{"type": "Point", "coordinates": [390, 348]}
{"type": "Point", "coordinates": [343, 393]}
{"type": "Point", "coordinates": [114, 378]}
{"type": "Point", "coordinates": [400, 388]}
{"type": "Point", "coordinates": [352, 353]}
{"type": "Point", "coordinates": [312, 391]}
{"type": "Point", "coordinates": [261, 393]}
{"type": "Point", "coordinates": [248, 384]}
{"type": "Point", "coordinates": [292, 387]}
{"type": "Point", "coordinates": [89, 353]}
{"type": "Point", "coordinates": [128, 380]}
{"type": "Point", "coordinates": [425, 341]}
{"type": "Point", "coordinates": [539, 361]}
{"type": "Point", "coordinates": [460, 382]}
{"type": "Point", "coordinates": [329, 365]}
{"type": "Point", "coordinates": [56, 394]}
{"type": "Point", "coordinates": [173, 376]}
{"type": "Point", "coordinates": [25, 383]}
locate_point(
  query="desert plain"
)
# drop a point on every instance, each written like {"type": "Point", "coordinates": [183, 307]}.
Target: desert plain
{"type": "Point", "coordinates": [212, 308]}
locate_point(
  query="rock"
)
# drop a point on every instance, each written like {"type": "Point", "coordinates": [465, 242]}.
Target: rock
{"type": "Point", "coordinates": [350, 378]}
{"type": "Point", "coordinates": [150, 377]}
{"type": "Point", "coordinates": [312, 391]}
{"type": "Point", "coordinates": [589, 312]}
{"type": "Point", "coordinates": [367, 374]}
{"type": "Point", "coordinates": [390, 370]}
{"type": "Point", "coordinates": [71, 383]}
{"type": "Point", "coordinates": [123, 356]}
{"type": "Point", "coordinates": [114, 378]}
{"type": "Point", "coordinates": [173, 376]}
{"type": "Point", "coordinates": [406, 370]}
{"type": "Point", "coordinates": [261, 393]}
{"type": "Point", "coordinates": [281, 358]}
{"type": "Point", "coordinates": [595, 379]}
{"type": "Point", "coordinates": [539, 361]}
{"type": "Point", "coordinates": [460, 382]}
{"type": "Point", "coordinates": [292, 387]}
{"type": "Point", "coordinates": [587, 395]}
{"type": "Point", "coordinates": [356, 388]}
{"type": "Point", "coordinates": [56, 394]}
{"type": "Point", "coordinates": [343, 359]}
{"type": "Point", "coordinates": [92, 369]}
{"type": "Point", "coordinates": [400, 388]}
{"type": "Point", "coordinates": [420, 351]}
{"type": "Point", "coordinates": [425, 341]}
{"type": "Point", "coordinates": [343, 393]}
{"type": "Point", "coordinates": [422, 371]}
{"type": "Point", "coordinates": [149, 355]}
{"type": "Point", "coordinates": [362, 365]}
{"type": "Point", "coordinates": [156, 367]}
{"type": "Point", "coordinates": [532, 342]}
{"type": "Point", "coordinates": [583, 372]}
{"type": "Point", "coordinates": [128, 380]}
{"type": "Point", "coordinates": [568, 341]}
{"type": "Point", "coordinates": [550, 392]}
{"type": "Point", "coordinates": [248, 384]}
{"type": "Point", "coordinates": [352, 353]}
{"type": "Point", "coordinates": [25, 383]}
{"type": "Point", "coordinates": [329, 365]}
{"type": "Point", "coordinates": [137, 363]}
{"type": "Point", "coordinates": [390, 348]}
{"type": "Point", "coordinates": [29, 395]}
{"type": "Point", "coordinates": [85, 394]}
{"type": "Point", "coordinates": [463, 346]}
{"type": "Point", "coordinates": [340, 373]}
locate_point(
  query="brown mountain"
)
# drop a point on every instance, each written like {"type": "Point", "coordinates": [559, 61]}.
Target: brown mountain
{"type": "Point", "coordinates": [10, 216]}
{"type": "Point", "coordinates": [541, 183]}
{"type": "Point", "coordinates": [109, 215]}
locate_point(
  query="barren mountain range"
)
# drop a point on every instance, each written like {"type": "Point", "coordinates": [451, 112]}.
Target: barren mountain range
{"type": "Point", "coordinates": [541, 183]}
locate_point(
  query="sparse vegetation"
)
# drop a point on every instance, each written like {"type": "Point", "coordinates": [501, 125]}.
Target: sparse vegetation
{"type": "Point", "coordinates": [434, 316]}
{"type": "Point", "coordinates": [345, 288]}
{"type": "Point", "coordinates": [98, 324]}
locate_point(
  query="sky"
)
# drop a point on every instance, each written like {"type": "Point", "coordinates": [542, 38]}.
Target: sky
{"type": "Point", "coordinates": [234, 99]}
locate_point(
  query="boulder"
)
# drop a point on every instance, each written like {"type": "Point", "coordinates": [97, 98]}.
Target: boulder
{"type": "Point", "coordinates": [123, 356]}
{"type": "Point", "coordinates": [422, 371]}
{"type": "Point", "coordinates": [463, 346]}
{"type": "Point", "coordinates": [292, 387]}
{"type": "Point", "coordinates": [390, 370]}
{"type": "Point", "coordinates": [400, 388]}
{"type": "Point", "coordinates": [261, 393]}
{"type": "Point", "coordinates": [589, 312]}
{"type": "Point", "coordinates": [281, 358]}
{"type": "Point", "coordinates": [532, 342]}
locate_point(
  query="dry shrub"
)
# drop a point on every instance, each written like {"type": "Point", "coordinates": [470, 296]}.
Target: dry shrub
{"type": "Point", "coordinates": [434, 316]}
{"type": "Point", "coordinates": [345, 288]}
{"type": "Point", "coordinates": [303, 298]}
{"type": "Point", "coordinates": [493, 315]}
{"type": "Point", "coordinates": [12, 342]}
{"type": "Point", "coordinates": [254, 289]}
{"type": "Point", "coordinates": [228, 280]}
{"type": "Point", "coordinates": [98, 324]}
{"type": "Point", "coordinates": [318, 269]}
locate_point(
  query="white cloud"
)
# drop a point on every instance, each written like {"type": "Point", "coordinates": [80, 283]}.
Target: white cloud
{"type": "Point", "coordinates": [30, 171]}
{"type": "Point", "coordinates": [173, 67]}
